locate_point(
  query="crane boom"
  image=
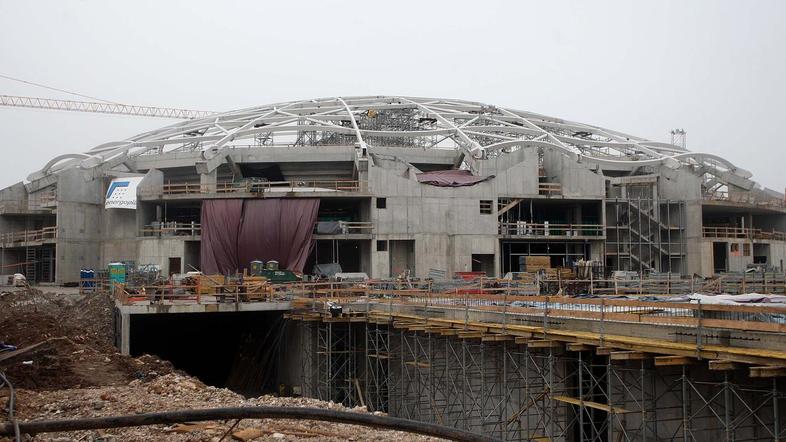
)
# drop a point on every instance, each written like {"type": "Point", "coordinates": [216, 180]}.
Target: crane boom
{"type": "Point", "coordinates": [103, 108]}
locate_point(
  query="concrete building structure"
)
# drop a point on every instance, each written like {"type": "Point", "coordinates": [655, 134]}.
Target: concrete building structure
{"type": "Point", "coordinates": [555, 188]}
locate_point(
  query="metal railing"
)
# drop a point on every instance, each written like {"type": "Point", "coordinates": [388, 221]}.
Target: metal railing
{"type": "Point", "coordinates": [255, 187]}
{"type": "Point", "coordinates": [522, 228]}
{"type": "Point", "coordinates": [744, 198]}
{"type": "Point", "coordinates": [172, 228]}
{"type": "Point", "coordinates": [194, 229]}
{"type": "Point", "coordinates": [486, 294]}
{"type": "Point", "coordinates": [45, 234]}
{"type": "Point", "coordinates": [742, 233]}
{"type": "Point", "coordinates": [349, 227]}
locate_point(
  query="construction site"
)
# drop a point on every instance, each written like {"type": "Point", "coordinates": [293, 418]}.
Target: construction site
{"type": "Point", "coordinates": [435, 264]}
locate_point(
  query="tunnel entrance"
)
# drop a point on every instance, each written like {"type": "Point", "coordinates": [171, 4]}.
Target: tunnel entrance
{"type": "Point", "coordinates": [235, 350]}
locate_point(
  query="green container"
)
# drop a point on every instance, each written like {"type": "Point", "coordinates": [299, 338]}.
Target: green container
{"type": "Point", "coordinates": [117, 273]}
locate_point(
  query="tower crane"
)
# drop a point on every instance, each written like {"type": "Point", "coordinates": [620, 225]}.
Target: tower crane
{"type": "Point", "coordinates": [103, 108]}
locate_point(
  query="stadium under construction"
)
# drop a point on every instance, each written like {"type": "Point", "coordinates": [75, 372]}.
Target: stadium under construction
{"type": "Point", "coordinates": [495, 270]}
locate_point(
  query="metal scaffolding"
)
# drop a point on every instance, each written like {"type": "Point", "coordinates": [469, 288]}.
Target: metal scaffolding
{"type": "Point", "coordinates": [520, 390]}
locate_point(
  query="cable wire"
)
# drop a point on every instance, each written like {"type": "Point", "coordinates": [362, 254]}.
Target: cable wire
{"type": "Point", "coordinates": [7, 77]}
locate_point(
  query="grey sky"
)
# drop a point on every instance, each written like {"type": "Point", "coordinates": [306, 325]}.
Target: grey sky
{"type": "Point", "coordinates": [718, 69]}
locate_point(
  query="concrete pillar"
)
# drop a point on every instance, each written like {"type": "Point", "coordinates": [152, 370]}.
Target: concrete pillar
{"type": "Point", "coordinates": [209, 179]}
{"type": "Point", "coordinates": [125, 333]}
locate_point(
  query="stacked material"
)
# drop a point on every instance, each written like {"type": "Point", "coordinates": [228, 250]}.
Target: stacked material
{"type": "Point", "coordinates": [534, 264]}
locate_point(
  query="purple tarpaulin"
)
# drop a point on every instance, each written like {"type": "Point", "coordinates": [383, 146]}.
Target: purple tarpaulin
{"type": "Point", "coordinates": [279, 229]}
{"type": "Point", "coordinates": [221, 221]}
{"type": "Point", "coordinates": [450, 178]}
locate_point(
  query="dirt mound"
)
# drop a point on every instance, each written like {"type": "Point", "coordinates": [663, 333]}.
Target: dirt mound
{"type": "Point", "coordinates": [65, 341]}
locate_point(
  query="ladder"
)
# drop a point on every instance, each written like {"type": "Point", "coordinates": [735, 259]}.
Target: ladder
{"type": "Point", "coordinates": [30, 264]}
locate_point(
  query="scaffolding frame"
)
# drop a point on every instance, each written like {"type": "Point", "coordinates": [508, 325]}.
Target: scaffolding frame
{"type": "Point", "coordinates": [515, 390]}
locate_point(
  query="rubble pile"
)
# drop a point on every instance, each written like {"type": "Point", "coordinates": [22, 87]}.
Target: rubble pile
{"type": "Point", "coordinates": [176, 391]}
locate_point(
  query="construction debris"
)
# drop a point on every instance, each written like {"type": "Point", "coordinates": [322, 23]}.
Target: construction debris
{"type": "Point", "coordinates": [177, 391]}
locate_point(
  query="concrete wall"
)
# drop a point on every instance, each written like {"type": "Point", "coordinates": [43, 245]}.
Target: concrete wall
{"type": "Point", "coordinates": [159, 250]}
{"type": "Point", "coordinates": [79, 224]}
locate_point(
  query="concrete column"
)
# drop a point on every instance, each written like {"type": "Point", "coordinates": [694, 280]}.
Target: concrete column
{"type": "Point", "coordinates": [125, 333]}
{"type": "Point", "coordinates": [209, 179]}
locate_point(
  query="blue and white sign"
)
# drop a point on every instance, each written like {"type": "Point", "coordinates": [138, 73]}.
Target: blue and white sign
{"type": "Point", "coordinates": [122, 193]}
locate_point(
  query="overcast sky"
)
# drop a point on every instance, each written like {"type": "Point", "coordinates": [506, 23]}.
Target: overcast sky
{"type": "Point", "coordinates": [717, 69]}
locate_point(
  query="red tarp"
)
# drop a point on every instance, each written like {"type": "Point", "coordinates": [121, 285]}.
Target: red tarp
{"type": "Point", "coordinates": [236, 232]}
{"type": "Point", "coordinates": [450, 178]}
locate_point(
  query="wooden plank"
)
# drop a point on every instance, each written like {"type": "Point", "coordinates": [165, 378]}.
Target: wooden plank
{"type": "Point", "coordinates": [471, 335]}
{"type": "Point", "coordinates": [662, 361]}
{"type": "Point", "coordinates": [418, 364]}
{"type": "Point", "coordinates": [722, 365]}
{"type": "Point", "coordinates": [603, 351]}
{"type": "Point", "coordinates": [574, 346]}
{"type": "Point", "coordinates": [768, 371]}
{"type": "Point", "coordinates": [590, 404]}
{"type": "Point", "coordinates": [544, 343]}
{"type": "Point", "coordinates": [628, 355]}
{"type": "Point", "coordinates": [521, 340]}
{"type": "Point", "coordinates": [496, 338]}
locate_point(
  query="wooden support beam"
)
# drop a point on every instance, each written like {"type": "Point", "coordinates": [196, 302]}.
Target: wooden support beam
{"type": "Point", "coordinates": [521, 340]}
{"type": "Point", "coordinates": [663, 361]}
{"type": "Point", "coordinates": [496, 338]}
{"type": "Point", "coordinates": [628, 355]}
{"type": "Point", "coordinates": [590, 404]}
{"type": "Point", "coordinates": [418, 364]}
{"type": "Point", "coordinates": [544, 343]}
{"type": "Point", "coordinates": [767, 372]}
{"type": "Point", "coordinates": [435, 329]}
{"type": "Point", "coordinates": [722, 365]}
{"type": "Point", "coordinates": [471, 334]}
{"type": "Point", "coordinates": [574, 346]}
{"type": "Point", "coordinates": [603, 351]}
{"type": "Point", "coordinates": [509, 206]}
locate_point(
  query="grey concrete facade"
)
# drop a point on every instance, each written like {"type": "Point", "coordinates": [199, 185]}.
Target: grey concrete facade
{"type": "Point", "coordinates": [555, 188]}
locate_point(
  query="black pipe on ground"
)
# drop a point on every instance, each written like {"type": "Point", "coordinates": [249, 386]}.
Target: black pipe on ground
{"type": "Point", "coordinates": [211, 414]}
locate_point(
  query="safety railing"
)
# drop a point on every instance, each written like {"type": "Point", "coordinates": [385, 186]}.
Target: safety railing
{"type": "Point", "coordinates": [522, 228]}
{"type": "Point", "coordinates": [255, 187]}
{"type": "Point", "coordinates": [483, 294]}
{"type": "Point", "coordinates": [549, 189]}
{"type": "Point", "coordinates": [41, 235]}
{"type": "Point", "coordinates": [192, 229]}
{"type": "Point", "coordinates": [343, 227]}
{"type": "Point", "coordinates": [724, 232]}
{"type": "Point", "coordinates": [744, 198]}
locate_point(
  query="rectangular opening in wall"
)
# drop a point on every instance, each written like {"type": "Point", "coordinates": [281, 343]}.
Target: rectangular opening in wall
{"type": "Point", "coordinates": [382, 203]}
{"type": "Point", "coordinates": [761, 253]}
{"type": "Point", "coordinates": [382, 246]}
{"type": "Point", "coordinates": [402, 257]}
{"type": "Point", "coordinates": [483, 263]}
{"type": "Point", "coordinates": [719, 256]}
{"type": "Point", "coordinates": [175, 265]}
{"type": "Point", "coordinates": [486, 207]}
{"type": "Point", "coordinates": [746, 249]}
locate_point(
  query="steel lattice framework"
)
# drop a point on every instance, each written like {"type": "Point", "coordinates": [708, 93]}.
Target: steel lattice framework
{"type": "Point", "coordinates": [474, 129]}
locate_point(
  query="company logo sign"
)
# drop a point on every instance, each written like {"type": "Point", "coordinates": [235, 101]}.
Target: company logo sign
{"type": "Point", "coordinates": [122, 193]}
